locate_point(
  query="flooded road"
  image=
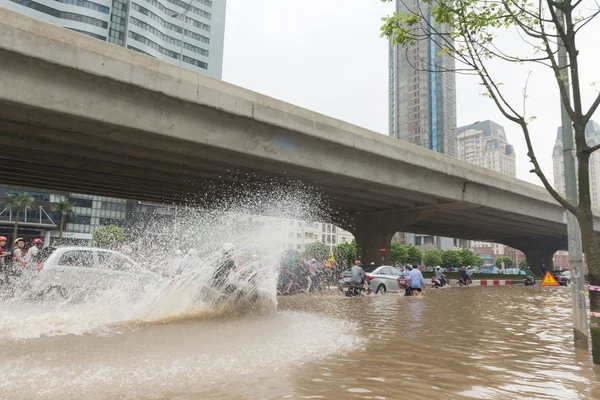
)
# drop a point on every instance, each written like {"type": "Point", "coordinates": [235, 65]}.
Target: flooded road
{"type": "Point", "coordinates": [483, 343]}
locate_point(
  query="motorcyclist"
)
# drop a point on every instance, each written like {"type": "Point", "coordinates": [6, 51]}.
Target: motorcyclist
{"type": "Point", "coordinates": [529, 277]}
{"type": "Point", "coordinates": [439, 276]}
{"type": "Point", "coordinates": [358, 274]}
{"type": "Point", "coordinates": [463, 276]}
{"type": "Point", "coordinates": [225, 264]}
{"type": "Point", "coordinates": [34, 250]}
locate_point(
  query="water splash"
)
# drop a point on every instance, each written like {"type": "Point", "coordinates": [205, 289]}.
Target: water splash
{"type": "Point", "coordinates": [184, 254]}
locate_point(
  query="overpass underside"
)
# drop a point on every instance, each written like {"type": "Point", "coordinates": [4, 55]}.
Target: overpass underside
{"type": "Point", "coordinates": [169, 135]}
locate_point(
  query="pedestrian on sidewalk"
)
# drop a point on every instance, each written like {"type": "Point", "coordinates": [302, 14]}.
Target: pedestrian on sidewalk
{"type": "Point", "coordinates": [543, 269]}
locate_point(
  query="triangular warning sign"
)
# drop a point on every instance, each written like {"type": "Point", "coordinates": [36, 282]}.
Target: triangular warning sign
{"type": "Point", "coordinates": [549, 280]}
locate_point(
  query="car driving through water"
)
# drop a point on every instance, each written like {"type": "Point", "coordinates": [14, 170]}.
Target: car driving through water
{"type": "Point", "coordinates": [381, 279]}
{"type": "Point", "coordinates": [67, 271]}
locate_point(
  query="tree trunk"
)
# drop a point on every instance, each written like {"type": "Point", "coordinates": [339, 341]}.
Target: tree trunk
{"type": "Point", "coordinates": [592, 257]}
{"type": "Point", "coordinates": [16, 230]}
{"type": "Point", "coordinates": [62, 225]}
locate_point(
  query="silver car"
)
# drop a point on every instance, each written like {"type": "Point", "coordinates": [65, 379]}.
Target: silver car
{"type": "Point", "coordinates": [64, 271]}
{"type": "Point", "coordinates": [384, 279]}
{"type": "Point", "coordinates": [381, 279]}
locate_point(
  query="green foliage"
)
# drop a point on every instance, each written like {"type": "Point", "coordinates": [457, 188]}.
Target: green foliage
{"type": "Point", "coordinates": [18, 202]}
{"type": "Point", "coordinates": [317, 250]}
{"type": "Point", "coordinates": [451, 259]}
{"type": "Point", "coordinates": [432, 258]}
{"type": "Point", "coordinates": [64, 209]}
{"type": "Point", "coordinates": [479, 261]}
{"type": "Point", "coordinates": [414, 255]}
{"type": "Point", "coordinates": [345, 253]}
{"type": "Point", "coordinates": [109, 237]}
{"type": "Point", "coordinates": [508, 262]}
{"type": "Point", "coordinates": [398, 253]}
{"type": "Point", "coordinates": [523, 263]}
{"type": "Point", "coordinates": [467, 257]}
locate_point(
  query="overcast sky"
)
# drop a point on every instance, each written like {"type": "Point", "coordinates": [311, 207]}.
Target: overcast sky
{"type": "Point", "coordinates": [328, 56]}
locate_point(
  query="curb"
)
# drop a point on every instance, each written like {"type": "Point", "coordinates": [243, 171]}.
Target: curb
{"type": "Point", "coordinates": [490, 282]}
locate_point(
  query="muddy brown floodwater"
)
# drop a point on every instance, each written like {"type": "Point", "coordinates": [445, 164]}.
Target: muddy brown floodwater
{"type": "Point", "coordinates": [482, 343]}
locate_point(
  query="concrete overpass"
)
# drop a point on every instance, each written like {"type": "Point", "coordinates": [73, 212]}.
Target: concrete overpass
{"type": "Point", "coordinates": [78, 114]}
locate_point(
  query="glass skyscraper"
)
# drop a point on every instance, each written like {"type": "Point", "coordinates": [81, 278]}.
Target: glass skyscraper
{"type": "Point", "coordinates": [422, 99]}
{"type": "Point", "coordinates": [189, 33]}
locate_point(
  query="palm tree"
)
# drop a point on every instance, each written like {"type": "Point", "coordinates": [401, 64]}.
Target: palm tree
{"type": "Point", "coordinates": [64, 208]}
{"type": "Point", "coordinates": [18, 202]}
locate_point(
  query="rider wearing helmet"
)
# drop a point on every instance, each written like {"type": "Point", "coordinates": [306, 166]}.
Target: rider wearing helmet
{"type": "Point", "coordinates": [3, 255]}
{"type": "Point", "coordinates": [36, 246]}
{"type": "Point", "coordinates": [225, 264]}
{"type": "Point", "coordinates": [357, 273]}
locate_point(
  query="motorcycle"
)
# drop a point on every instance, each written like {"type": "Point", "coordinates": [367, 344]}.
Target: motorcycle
{"type": "Point", "coordinates": [466, 281]}
{"type": "Point", "coordinates": [529, 280]}
{"type": "Point", "coordinates": [404, 283]}
{"type": "Point", "coordinates": [438, 283]}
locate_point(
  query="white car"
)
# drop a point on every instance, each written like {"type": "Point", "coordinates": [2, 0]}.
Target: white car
{"type": "Point", "coordinates": [64, 271]}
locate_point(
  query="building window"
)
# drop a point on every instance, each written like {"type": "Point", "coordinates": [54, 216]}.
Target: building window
{"type": "Point", "coordinates": [90, 34]}
{"type": "Point", "coordinates": [62, 14]}
{"type": "Point", "coordinates": [87, 4]}
{"type": "Point", "coordinates": [322, 238]}
{"type": "Point", "coordinates": [197, 63]}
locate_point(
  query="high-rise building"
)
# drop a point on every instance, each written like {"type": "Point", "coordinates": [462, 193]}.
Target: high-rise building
{"type": "Point", "coordinates": [592, 134]}
{"type": "Point", "coordinates": [185, 33]}
{"type": "Point", "coordinates": [422, 99]}
{"type": "Point", "coordinates": [422, 102]}
{"type": "Point", "coordinates": [484, 144]}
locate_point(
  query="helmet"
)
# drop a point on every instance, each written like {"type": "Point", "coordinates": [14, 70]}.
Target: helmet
{"type": "Point", "coordinates": [37, 241]}
{"type": "Point", "coordinates": [3, 239]}
{"type": "Point", "coordinates": [357, 262]}
{"type": "Point", "coordinates": [254, 256]}
{"type": "Point", "coordinates": [437, 267]}
{"type": "Point", "coordinates": [17, 240]}
{"type": "Point", "coordinates": [229, 248]}
{"type": "Point", "coordinates": [314, 260]}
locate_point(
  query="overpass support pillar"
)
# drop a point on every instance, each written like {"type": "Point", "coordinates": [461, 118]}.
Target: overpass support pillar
{"type": "Point", "coordinates": [372, 232]}
{"type": "Point", "coordinates": [540, 251]}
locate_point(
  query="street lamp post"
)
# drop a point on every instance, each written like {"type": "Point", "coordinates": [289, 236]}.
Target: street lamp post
{"type": "Point", "coordinates": [183, 14]}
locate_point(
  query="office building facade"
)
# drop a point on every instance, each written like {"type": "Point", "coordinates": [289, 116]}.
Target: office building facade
{"type": "Point", "coordinates": [485, 144]}
{"type": "Point", "coordinates": [592, 134]}
{"type": "Point", "coordinates": [422, 99]}
{"type": "Point", "coordinates": [187, 34]}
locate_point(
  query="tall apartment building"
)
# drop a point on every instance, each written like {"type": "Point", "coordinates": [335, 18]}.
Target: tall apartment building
{"type": "Point", "coordinates": [422, 100]}
{"type": "Point", "coordinates": [189, 34]}
{"type": "Point", "coordinates": [592, 134]}
{"type": "Point", "coordinates": [485, 144]}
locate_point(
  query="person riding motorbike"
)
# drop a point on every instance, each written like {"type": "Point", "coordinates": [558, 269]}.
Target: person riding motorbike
{"type": "Point", "coordinates": [463, 277]}
{"type": "Point", "coordinates": [358, 276]}
{"type": "Point", "coordinates": [439, 276]}
{"type": "Point", "coordinates": [226, 264]}
{"type": "Point", "coordinates": [529, 277]}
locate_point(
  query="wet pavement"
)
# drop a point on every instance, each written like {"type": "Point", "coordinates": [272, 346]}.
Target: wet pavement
{"type": "Point", "coordinates": [475, 342]}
